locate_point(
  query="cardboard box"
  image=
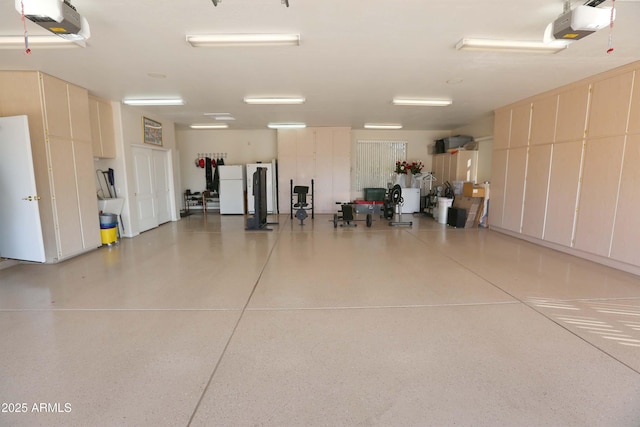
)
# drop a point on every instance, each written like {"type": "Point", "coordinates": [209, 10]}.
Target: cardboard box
{"type": "Point", "coordinates": [471, 190]}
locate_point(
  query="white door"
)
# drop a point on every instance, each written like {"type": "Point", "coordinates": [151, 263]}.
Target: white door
{"type": "Point", "coordinates": [144, 188]}
{"type": "Point", "coordinates": [163, 201]}
{"type": "Point", "coordinates": [20, 227]}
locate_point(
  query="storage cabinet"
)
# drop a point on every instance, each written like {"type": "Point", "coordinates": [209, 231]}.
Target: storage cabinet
{"type": "Point", "coordinates": [58, 116]}
{"type": "Point", "coordinates": [460, 166]}
{"type": "Point", "coordinates": [321, 154]}
{"type": "Point", "coordinates": [102, 132]}
{"type": "Point", "coordinates": [579, 174]}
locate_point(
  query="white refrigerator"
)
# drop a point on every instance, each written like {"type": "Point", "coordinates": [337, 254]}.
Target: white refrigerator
{"type": "Point", "coordinates": [231, 191]}
{"type": "Point", "coordinates": [271, 186]}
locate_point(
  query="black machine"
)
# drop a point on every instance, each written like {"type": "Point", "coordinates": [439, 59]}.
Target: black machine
{"type": "Point", "coordinates": [348, 211]}
{"type": "Point", "coordinates": [299, 201]}
{"type": "Point", "coordinates": [392, 207]}
{"type": "Point", "coordinates": [259, 219]}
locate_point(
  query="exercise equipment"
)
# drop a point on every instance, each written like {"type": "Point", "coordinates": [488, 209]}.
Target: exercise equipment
{"type": "Point", "coordinates": [392, 208]}
{"type": "Point", "coordinates": [299, 201]}
{"type": "Point", "coordinates": [259, 219]}
{"type": "Point", "coordinates": [348, 211]}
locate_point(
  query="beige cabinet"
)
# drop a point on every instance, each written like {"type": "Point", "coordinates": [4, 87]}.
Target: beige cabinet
{"type": "Point", "coordinates": [58, 114]}
{"type": "Point", "coordinates": [609, 109]}
{"type": "Point", "coordinates": [543, 120]}
{"type": "Point", "coordinates": [502, 129]}
{"type": "Point", "coordinates": [459, 166]}
{"type": "Point", "coordinates": [102, 131]}
{"type": "Point", "coordinates": [582, 177]}
{"type": "Point", "coordinates": [536, 190]}
{"type": "Point", "coordinates": [322, 154]}
{"type": "Point", "coordinates": [520, 121]}
{"type": "Point", "coordinates": [625, 246]}
{"type": "Point", "coordinates": [564, 179]}
{"type": "Point", "coordinates": [598, 194]}
{"type": "Point", "coordinates": [572, 113]}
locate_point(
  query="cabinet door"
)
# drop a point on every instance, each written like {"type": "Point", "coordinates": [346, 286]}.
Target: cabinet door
{"type": "Point", "coordinates": [572, 114]}
{"type": "Point", "coordinates": [514, 189]}
{"type": "Point", "coordinates": [543, 120]}
{"type": "Point", "coordinates": [341, 164]}
{"type": "Point", "coordinates": [634, 113]}
{"type": "Point", "coordinates": [438, 168]}
{"type": "Point", "coordinates": [79, 113]}
{"type": "Point", "coordinates": [466, 166]}
{"type": "Point", "coordinates": [94, 119]}
{"type": "Point", "coordinates": [566, 160]}
{"type": "Point", "coordinates": [65, 198]}
{"type": "Point", "coordinates": [498, 183]}
{"type": "Point", "coordinates": [501, 129]}
{"type": "Point", "coordinates": [446, 170]}
{"type": "Point", "coordinates": [107, 132]}
{"type": "Point", "coordinates": [56, 106]}
{"type": "Point", "coordinates": [610, 106]}
{"type": "Point", "coordinates": [89, 218]}
{"type": "Point", "coordinates": [520, 120]}
{"type": "Point", "coordinates": [535, 198]}
{"type": "Point", "coordinates": [626, 233]}
{"type": "Point", "coordinates": [598, 194]}
{"type": "Point", "coordinates": [324, 171]}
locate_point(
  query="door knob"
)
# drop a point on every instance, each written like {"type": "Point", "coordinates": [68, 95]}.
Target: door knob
{"type": "Point", "coordinates": [31, 198]}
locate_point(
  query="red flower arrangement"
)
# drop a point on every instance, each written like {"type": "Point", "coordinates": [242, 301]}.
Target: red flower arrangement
{"type": "Point", "coordinates": [416, 167]}
{"type": "Point", "coordinates": [402, 167]}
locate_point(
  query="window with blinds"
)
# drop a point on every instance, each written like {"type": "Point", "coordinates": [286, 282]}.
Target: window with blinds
{"type": "Point", "coordinates": [375, 163]}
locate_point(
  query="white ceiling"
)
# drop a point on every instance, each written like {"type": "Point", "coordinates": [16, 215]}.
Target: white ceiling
{"type": "Point", "coordinates": [354, 57]}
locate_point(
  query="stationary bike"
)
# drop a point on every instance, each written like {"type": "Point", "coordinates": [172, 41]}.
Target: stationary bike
{"type": "Point", "coordinates": [392, 207]}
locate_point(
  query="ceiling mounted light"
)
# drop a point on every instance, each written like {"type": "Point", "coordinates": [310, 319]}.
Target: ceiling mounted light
{"type": "Point", "coordinates": [275, 100]}
{"type": "Point", "coordinates": [45, 42]}
{"type": "Point", "coordinates": [511, 46]}
{"type": "Point", "coordinates": [209, 126]}
{"type": "Point", "coordinates": [382, 126]}
{"type": "Point", "coordinates": [226, 40]}
{"type": "Point", "coordinates": [286, 125]}
{"type": "Point", "coordinates": [422, 102]}
{"type": "Point", "coordinates": [149, 102]}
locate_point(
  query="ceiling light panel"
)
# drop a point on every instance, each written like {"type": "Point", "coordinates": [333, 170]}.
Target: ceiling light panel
{"type": "Point", "coordinates": [286, 125]}
{"type": "Point", "coordinates": [209, 126]}
{"type": "Point", "coordinates": [278, 100]}
{"type": "Point", "coordinates": [148, 102]}
{"type": "Point", "coordinates": [423, 102]}
{"type": "Point", "coordinates": [511, 46]}
{"type": "Point", "coordinates": [45, 42]}
{"type": "Point", "coordinates": [230, 40]}
{"type": "Point", "coordinates": [388, 126]}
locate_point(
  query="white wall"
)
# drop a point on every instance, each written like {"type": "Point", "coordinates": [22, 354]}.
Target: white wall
{"type": "Point", "coordinates": [418, 145]}
{"type": "Point", "coordinates": [240, 146]}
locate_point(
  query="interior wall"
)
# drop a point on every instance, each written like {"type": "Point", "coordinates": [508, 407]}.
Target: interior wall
{"type": "Point", "coordinates": [241, 147]}
{"type": "Point", "coordinates": [128, 132]}
{"type": "Point", "coordinates": [418, 145]}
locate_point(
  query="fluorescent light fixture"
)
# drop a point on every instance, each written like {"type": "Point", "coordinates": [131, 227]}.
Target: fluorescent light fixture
{"type": "Point", "coordinates": [226, 40]}
{"type": "Point", "coordinates": [278, 100]}
{"type": "Point", "coordinates": [209, 126]}
{"type": "Point", "coordinates": [45, 42]}
{"type": "Point", "coordinates": [422, 102]}
{"type": "Point", "coordinates": [221, 116]}
{"type": "Point", "coordinates": [382, 126]}
{"type": "Point", "coordinates": [139, 102]}
{"type": "Point", "coordinates": [514, 46]}
{"type": "Point", "coordinates": [286, 125]}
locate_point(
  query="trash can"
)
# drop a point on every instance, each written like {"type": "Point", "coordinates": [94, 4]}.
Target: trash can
{"type": "Point", "coordinates": [108, 228]}
{"type": "Point", "coordinates": [444, 204]}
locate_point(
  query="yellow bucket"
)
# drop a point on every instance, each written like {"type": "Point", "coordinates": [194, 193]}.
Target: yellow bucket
{"type": "Point", "coordinates": [109, 235]}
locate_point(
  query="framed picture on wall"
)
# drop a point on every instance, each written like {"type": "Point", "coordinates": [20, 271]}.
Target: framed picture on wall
{"type": "Point", "coordinates": [152, 131]}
